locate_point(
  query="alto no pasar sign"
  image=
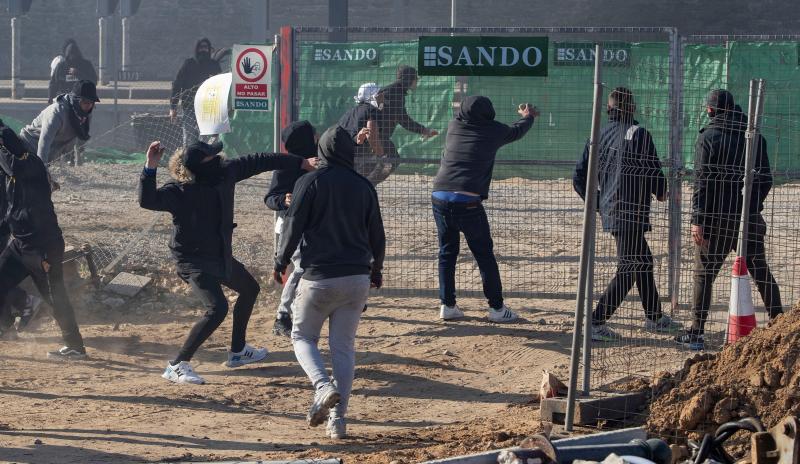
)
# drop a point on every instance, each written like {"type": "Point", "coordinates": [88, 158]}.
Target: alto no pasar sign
{"type": "Point", "coordinates": [250, 67]}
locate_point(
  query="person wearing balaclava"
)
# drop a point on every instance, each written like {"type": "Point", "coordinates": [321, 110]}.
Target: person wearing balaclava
{"type": "Point", "coordinates": [629, 175]}
{"type": "Point", "coordinates": [63, 124]}
{"type": "Point", "coordinates": [200, 199]}
{"type": "Point", "coordinates": [36, 249]}
{"type": "Point", "coordinates": [300, 139]}
{"type": "Point", "coordinates": [365, 115]}
{"type": "Point", "coordinates": [335, 218]}
{"type": "Point", "coordinates": [69, 68]}
{"type": "Point", "coordinates": [717, 208]}
{"type": "Point", "coordinates": [460, 186]}
{"type": "Point", "coordinates": [193, 72]}
{"type": "Point", "coordinates": [394, 113]}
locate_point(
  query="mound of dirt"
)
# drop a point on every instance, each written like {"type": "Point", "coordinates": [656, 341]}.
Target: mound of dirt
{"type": "Point", "coordinates": [758, 376]}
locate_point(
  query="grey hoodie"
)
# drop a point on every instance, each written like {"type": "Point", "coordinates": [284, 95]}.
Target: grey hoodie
{"type": "Point", "coordinates": [51, 132]}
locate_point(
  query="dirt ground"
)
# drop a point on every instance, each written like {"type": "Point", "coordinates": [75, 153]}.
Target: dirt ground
{"type": "Point", "coordinates": [423, 388]}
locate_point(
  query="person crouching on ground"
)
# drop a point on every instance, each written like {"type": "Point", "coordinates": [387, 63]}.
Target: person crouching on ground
{"type": "Point", "coordinates": [200, 199]}
{"type": "Point", "coordinates": [335, 212]}
{"type": "Point", "coordinates": [460, 186]}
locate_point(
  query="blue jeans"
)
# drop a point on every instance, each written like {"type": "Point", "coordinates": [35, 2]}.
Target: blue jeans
{"type": "Point", "coordinates": [452, 219]}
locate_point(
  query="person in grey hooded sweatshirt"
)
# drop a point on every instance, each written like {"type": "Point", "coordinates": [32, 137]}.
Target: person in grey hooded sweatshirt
{"type": "Point", "coordinates": [63, 124]}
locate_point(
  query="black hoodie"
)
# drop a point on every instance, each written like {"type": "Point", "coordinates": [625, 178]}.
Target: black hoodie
{"type": "Point", "coordinates": [27, 206]}
{"type": "Point", "coordinates": [193, 72]}
{"type": "Point", "coordinates": [719, 173]}
{"type": "Point", "coordinates": [298, 139]}
{"type": "Point", "coordinates": [335, 212]}
{"type": "Point", "coordinates": [60, 81]}
{"type": "Point", "coordinates": [473, 138]}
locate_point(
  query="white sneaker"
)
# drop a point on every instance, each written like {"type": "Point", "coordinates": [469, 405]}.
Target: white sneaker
{"type": "Point", "coordinates": [336, 428]}
{"type": "Point", "coordinates": [447, 313]}
{"type": "Point", "coordinates": [502, 315]}
{"type": "Point", "coordinates": [182, 373]}
{"type": "Point", "coordinates": [248, 355]}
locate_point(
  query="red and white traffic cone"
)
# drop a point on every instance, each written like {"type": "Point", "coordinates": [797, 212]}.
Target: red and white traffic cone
{"type": "Point", "coordinates": [741, 314]}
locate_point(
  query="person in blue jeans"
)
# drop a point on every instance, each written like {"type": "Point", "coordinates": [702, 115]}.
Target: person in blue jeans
{"type": "Point", "coordinates": [460, 186]}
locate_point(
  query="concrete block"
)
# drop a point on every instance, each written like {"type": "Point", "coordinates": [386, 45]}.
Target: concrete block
{"type": "Point", "coordinates": [590, 411]}
{"type": "Point", "coordinates": [127, 284]}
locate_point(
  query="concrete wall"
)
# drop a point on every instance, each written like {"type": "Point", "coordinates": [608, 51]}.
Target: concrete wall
{"type": "Point", "coordinates": [164, 31]}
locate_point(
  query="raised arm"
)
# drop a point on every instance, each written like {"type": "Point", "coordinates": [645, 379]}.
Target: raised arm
{"type": "Point", "coordinates": [162, 199]}
{"type": "Point", "coordinates": [248, 166]}
{"type": "Point", "coordinates": [521, 127]}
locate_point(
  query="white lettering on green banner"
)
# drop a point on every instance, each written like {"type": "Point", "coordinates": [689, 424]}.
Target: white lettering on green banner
{"type": "Point", "coordinates": [482, 56]}
{"type": "Point", "coordinates": [582, 54]}
{"type": "Point", "coordinates": [345, 54]}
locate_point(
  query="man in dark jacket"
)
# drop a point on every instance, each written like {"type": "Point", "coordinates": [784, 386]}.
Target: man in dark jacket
{"type": "Point", "coordinates": [363, 119]}
{"type": "Point", "coordinates": [394, 113]}
{"type": "Point", "coordinates": [335, 218]}
{"type": "Point", "coordinates": [462, 183]}
{"type": "Point", "coordinates": [717, 207]}
{"type": "Point", "coordinates": [201, 203]}
{"type": "Point", "coordinates": [299, 139]}
{"type": "Point", "coordinates": [193, 72]}
{"type": "Point", "coordinates": [71, 68]}
{"type": "Point", "coordinates": [37, 245]}
{"type": "Point", "coordinates": [629, 174]}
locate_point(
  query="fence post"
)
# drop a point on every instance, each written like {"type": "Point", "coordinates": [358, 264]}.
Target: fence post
{"type": "Point", "coordinates": [276, 118]}
{"type": "Point", "coordinates": [587, 242]}
{"type": "Point", "coordinates": [676, 168]}
{"type": "Point", "coordinates": [16, 57]}
{"type": "Point", "coordinates": [755, 107]}
{"type": "Point", "coordinates": [587, 325]}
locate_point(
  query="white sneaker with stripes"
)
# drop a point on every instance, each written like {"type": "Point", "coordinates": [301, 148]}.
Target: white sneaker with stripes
{"type": "Point", "coordinates": [248, 355]}
{"type": "Point", "coordinates": [503, 314]}
{"type": "Point", "coordinates": [182, 373]}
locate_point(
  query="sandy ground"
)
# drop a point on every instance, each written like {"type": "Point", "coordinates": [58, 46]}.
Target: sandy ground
{"type": "Point", "coordinates": [423, 388]}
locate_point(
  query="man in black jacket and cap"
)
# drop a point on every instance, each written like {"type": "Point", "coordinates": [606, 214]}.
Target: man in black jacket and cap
{"type": "Point", "coordinates": [300, 139]}
{"type": "Point", "coordinates": [394, 113]}
{"type": "Point", "coordinates": [37, 245]}
{"type": "Point", "coordinates": [336, 220]}
{"type": "Point", "coordinates": [717, 207]}
{"type": "Point", "coordinates": [629, 175]}
{"type": "Point", "coordinates": [460, 186]}
{"type": "Point", "coordinates": [193, 72]}
{"type": "Point", "coordinates": [200, 200]}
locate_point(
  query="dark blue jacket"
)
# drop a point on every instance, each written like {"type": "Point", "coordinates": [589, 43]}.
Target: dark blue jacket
{"type": "Point", "coordinates": [629, 173]}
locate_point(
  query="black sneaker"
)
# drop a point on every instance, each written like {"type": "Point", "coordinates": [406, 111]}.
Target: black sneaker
{"type": "Point", "coordinates": [68, 354]}
{"type": "Point", "coordinates": [31, 309]}
{"type": "Point", "coordinates": [283, 325]}
{"type": "Point", "coordinates": [690, 340]}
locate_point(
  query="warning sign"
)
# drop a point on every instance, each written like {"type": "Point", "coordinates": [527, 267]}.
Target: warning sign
{"type": "Point", "coordinates": [251, 76]}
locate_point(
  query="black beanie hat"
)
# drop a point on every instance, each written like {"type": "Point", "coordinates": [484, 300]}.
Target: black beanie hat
{"type": "Point", "coordinates": [196, 152]}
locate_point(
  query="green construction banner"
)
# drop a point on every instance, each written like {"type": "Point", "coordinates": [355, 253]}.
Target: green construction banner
{"type": "Point", "coordinates": [482, 56]}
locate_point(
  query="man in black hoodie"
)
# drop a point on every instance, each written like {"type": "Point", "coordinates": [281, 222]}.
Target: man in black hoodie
{"type": "Point", "coordinates": [193, 72]}
{"type": "Point", "coordinates": [394, 113]}
{"type": "Point", "coordinates": [299, 139]}
{"type": "Point", "coordinates": [629, 176]}
{"type": "Point", "coordinates": [37, 245]}
{"type": "Point", "coordinates": [335, 212]}
{"type": "Point", "coordinates": [462, 183]}
{"type": "Point", "coordinates": [71, 68]}
{"type": "Point", "coordinates": [200, 200]}
{"type": "Point", "coordinates": [717, 207]}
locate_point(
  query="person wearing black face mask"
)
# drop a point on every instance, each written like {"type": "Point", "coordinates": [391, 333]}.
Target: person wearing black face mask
{"type": "Point", "coordinates": [62, 125]}
{"type": "Point", "coordinates": [192, 73]}
{"type": "Point", "coordinates": [200, 200]}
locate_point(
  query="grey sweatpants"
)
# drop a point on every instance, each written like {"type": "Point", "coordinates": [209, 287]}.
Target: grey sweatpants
{"type": "Point", "coordinates": [340, 300]}
{"type": "Point", "coordinates": [290, 288]}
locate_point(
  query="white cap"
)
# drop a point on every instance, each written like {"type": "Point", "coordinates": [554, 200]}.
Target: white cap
{"type": "Point", "coordinates": [366, 93]}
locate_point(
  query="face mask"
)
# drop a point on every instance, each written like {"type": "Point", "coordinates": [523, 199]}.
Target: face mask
{"type": "Point", "coordinates": [203, 55]}
{"type": "Point", "coordinates": [209, 173]}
